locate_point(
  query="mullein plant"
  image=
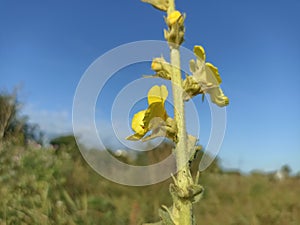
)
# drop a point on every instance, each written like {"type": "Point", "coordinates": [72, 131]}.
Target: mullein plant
{"type": "Point", "coordinates": [155, 122]}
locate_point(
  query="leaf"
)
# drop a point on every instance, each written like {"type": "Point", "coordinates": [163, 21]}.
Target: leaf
{"type": "Point", "coordinates": [166, 215]}
{"type": "Point", "coordinates": [191, 145]}
{"type": "Point", "coordinates": [196, 191]}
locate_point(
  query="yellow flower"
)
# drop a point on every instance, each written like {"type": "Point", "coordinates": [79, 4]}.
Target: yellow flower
{"type": "Point", "coordinates": [156, 65]}
{"type": "Point", "coordinates": [175, 17]}
{"type": "Point", "coordinates": [150, 118]}
{"type": "Point", "coordinates": [161, 67]}
{"type": "Point", "coordinates": [208, 77]}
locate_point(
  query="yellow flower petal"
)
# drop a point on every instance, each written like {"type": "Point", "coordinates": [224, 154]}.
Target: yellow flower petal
{"type": "Point", "coordinates": [199, 52]}
{"type": "Point", "coordinates": [217, 96]}
{"type": "Point", "coordinates": [155, 110]}
{"type": "Point", "coordinates": [215, 72]}
{"type": "Point", "coordinates": [157, 94]}
{"type": "Point", "coordinates": [137, 123]}
{"type": "Point", "coordinates": [175, 17]}
{"type": "Point", "coordinates": [193, 66]}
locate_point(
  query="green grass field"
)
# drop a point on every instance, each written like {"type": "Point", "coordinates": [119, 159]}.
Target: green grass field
{"type": "Point", "coordinates": [48, 186]}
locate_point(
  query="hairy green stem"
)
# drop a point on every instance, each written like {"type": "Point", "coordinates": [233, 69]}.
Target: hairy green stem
{"type": "Point", "coordinates": [182, 209]}
{"type": "Point", "coordinates": [181, 154]}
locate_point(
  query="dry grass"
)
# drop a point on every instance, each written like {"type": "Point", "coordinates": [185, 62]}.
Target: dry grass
{"type": "Point", "coordinates": [50, 187]}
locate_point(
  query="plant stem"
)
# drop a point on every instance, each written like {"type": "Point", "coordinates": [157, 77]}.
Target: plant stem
{"type": "Point", "coordinates": [182, 210]}
{"type": "Point", "coordinates": [181, 157]}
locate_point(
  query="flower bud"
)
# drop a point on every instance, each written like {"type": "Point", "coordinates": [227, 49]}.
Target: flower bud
{"type": "Point", "coordinates": [175, 17]}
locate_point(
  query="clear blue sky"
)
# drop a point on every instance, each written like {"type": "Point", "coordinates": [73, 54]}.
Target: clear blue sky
{"type": "Point", "coordinates": [46, 46]}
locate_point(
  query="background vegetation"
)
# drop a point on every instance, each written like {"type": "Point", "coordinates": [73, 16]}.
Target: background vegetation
{"type": "Point", "coordinates": [54, 185]}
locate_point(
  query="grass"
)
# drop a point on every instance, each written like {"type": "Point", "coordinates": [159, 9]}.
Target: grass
{"type": "Point", "coordinates": [48, 186]}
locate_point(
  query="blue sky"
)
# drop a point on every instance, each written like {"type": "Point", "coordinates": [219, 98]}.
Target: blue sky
{"type": "Point", "coordinates": [46, 46]}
